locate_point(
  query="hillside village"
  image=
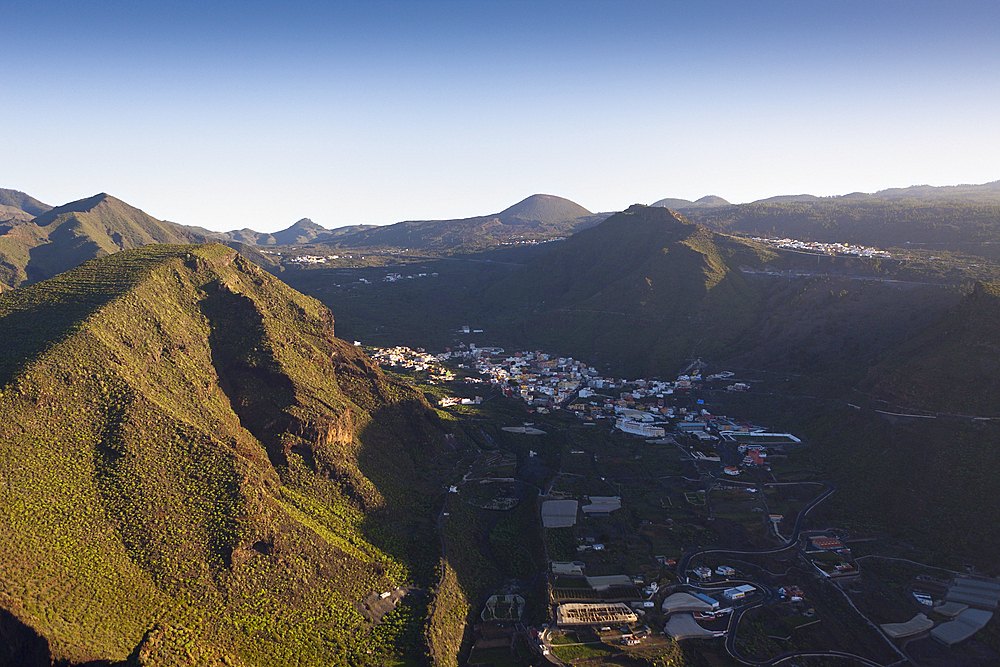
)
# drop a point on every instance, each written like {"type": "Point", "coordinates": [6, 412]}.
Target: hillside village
{"type": "Point", "coordinates": [823, 248]}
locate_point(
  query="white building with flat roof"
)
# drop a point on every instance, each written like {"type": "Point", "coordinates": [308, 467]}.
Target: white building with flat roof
{"type": "Point", "coordinates": [637, 428]}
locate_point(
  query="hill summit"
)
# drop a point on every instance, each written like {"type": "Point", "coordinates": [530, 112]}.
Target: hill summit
{"type": "Point", "coordinates": [641, 290]}
{"type": "Point", "coordinates": [63, 237]}
{"type": "Point", "coordinates": [18, 206]}
{"type": "Point", "coordinates": [708, 201]}
{"type": "Point", "coordinates": [543, 208]}
{"type": "Point", "coordinates": [191, 464]}
{"type": "Point", "coordinates": [303, 231]}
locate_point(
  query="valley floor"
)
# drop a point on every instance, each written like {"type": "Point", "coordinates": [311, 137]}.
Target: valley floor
{"type": "Point", "coordinates": [552, 505]}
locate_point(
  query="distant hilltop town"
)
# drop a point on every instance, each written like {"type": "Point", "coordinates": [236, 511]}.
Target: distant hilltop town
{"type": "Point", "coordinates": [823, 248]}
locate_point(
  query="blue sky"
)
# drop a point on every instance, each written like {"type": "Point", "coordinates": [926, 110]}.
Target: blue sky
{"type": "Point", "coordinates": [255, 114]}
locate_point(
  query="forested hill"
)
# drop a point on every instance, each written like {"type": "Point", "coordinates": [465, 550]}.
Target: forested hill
{"type": "Point", "coordinates": [196, 471]}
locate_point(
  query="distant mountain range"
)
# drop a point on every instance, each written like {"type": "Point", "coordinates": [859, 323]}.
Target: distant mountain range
{"type": "Point", "coordinates": [38, 241]}
{"type": "Point", "coordinates": [921, 214]}
{"type": "Point", "coordinates": [538, 216]}
{"type": "Point", "coordinates": [986, 193]}
{"type": "Point", "coordinates": [683, 204]}
{"type": "Point", "coordinates": [303, 231]}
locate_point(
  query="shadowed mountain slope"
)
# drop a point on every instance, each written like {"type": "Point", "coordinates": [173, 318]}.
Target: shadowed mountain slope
{"type": "Point", "coordinates": [951, 366]}
{"type": "Point", "coordinates": [17, 206]}
{"type": "Point", "coordinates": [196, 471]}
{"type": "Point", "coordinates": [642, 291]}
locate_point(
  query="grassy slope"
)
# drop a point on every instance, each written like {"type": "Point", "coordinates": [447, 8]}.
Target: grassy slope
{"type": "Point", "coordinates": [66, 236]}
{"type": "Point", "coordinates": [195, 449]}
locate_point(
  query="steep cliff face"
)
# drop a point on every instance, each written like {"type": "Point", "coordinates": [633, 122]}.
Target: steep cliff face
{"type": "Point", "coordinates": [185, 447]}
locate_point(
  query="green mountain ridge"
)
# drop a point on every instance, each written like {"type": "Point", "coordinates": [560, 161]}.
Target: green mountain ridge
{"type": "Point", "coordinates": [194, 470]}
{"type": "Point", "coordinates": [65, 236]}
{"type": "Point", "coordinates": [642, 291]}
{"type": "Point", "coordinates": [18, 206]}
{"type": "Point", "coordinates": [683, 204]}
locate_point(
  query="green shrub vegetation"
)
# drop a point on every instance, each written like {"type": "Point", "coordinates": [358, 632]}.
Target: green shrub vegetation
{"type": "Point", "coordinates": [192, 470]}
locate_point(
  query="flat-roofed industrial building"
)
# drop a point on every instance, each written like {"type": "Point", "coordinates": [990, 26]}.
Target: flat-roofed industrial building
{"type": "Point", "coordinates": [966, 624]}
{"type": "Point", "coordinates": [575, 613]}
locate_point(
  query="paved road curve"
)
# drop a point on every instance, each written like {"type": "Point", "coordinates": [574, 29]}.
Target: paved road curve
{"type": "Point", "coordinates": [770, 596]}
{"type": "Point", "coordinates": [789, 544]}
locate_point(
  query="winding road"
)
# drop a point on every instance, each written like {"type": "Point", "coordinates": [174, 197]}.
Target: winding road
{"type": "Point", "coordinates": [789, 543]}
{"type": "Point", "coordinates": [770, 596]}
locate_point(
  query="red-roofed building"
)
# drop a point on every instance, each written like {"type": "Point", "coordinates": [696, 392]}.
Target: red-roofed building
{"type": "Point", "coordinates": [827, 543]}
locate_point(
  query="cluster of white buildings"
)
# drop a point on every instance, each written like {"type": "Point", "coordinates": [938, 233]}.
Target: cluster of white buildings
{"type": "Point", "coordinates": [824, 248]}
{"type": "Point", "coordinates": [313, 259]}
{"type": "Point", "coordinates": [541, 379]}
{"type": "Point", "coordinates": [416, 360]}
{"type": "Point", "coordinates": [393, 277]}
{"type": "Point", "coordinates": [531, 241]}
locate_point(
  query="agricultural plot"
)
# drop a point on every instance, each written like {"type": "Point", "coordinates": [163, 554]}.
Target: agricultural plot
{"type": "Point", "coordinates": [674, 539]}
{"type": "Point", "coordinates": [762, 632]}
{"type": "Point", "coordinates": [495, 463]}
{"type": "Point", "coordinates": [494, 657]}
{"type": "Point", "coordinates": [493, 495]}
{"type": "Point", "coordinates": [636, 459]}
{"type": "Point", "coordinates": [577, 486]}
{"type": "Point", "coordinates": [737, 505]}
{"type": "Point", "coordinates": [884, 591]}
